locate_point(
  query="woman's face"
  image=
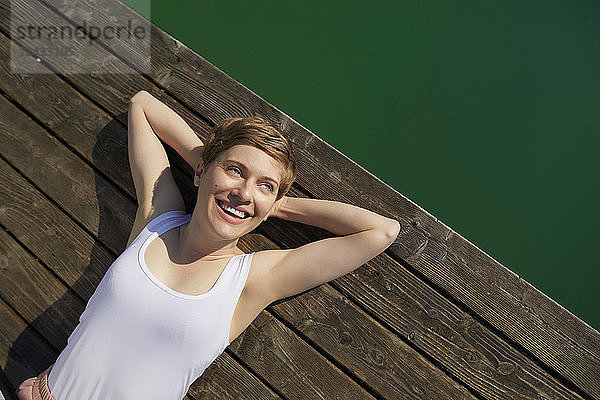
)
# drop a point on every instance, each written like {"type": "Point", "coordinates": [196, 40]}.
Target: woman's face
{"type": "Point", "coordinates": [243, 177]}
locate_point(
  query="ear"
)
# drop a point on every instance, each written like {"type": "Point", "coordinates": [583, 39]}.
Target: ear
{"type": "Point", "coordinates": [198, 174]}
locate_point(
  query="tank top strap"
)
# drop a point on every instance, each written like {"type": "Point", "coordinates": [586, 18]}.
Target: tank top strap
{"type": "Point", "coordinates": [233, 284]}
{"type": "Point", "coordinates": [235, 277]}
{"type": "Point", "coordinates": [167, 220]}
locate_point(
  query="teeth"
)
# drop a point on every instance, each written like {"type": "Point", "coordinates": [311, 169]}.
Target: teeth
{"type": "Point", "coordinates": [240, 214]}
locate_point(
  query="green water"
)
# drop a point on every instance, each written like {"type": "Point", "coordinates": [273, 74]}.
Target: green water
{"type": "Point", "coordinates": [486, 114]}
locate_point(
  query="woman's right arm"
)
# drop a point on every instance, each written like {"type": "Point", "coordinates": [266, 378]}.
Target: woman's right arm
{"type": "Point", "coordinates": [170, 127]}
{"type": "Point", "coordinates": [156, 190]}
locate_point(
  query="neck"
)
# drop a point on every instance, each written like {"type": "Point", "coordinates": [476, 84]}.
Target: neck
{"type": "Point", "coordinates": [209, 248]}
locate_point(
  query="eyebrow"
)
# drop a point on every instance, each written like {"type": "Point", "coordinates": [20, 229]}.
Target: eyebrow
{"type": "Point", "coordinates": [246, 168]}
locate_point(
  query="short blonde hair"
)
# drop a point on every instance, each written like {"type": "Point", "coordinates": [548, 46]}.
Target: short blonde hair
{"type": "Point", "coordinates": [257, 132]}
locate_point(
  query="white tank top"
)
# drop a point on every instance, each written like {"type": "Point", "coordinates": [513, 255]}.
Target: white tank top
{"type": "Point", "coordinates": [140, 339]}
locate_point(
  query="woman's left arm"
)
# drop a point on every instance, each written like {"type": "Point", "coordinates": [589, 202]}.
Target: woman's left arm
{"type": "Point", "coordinates": [362, 235]}
{"type": "Point", "coordinates": [338, 218]}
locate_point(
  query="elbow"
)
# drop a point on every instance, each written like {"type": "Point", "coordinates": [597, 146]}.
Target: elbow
{"type": "Point", "coordinates": [388, 230]}
{"type": "Point", "coordinates": [393, 230]}
{"type": "Point", "coordinates": [382, 237]}
{"type": "Point", "coordinates": [138, 95]}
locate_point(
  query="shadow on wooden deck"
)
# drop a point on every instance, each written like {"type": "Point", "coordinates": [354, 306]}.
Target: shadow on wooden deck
{"type": "Point", "coordinates": [432, 317]}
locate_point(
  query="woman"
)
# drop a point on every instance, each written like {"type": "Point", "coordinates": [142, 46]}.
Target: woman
{"type": "Point", "coordinates": [181, 291]}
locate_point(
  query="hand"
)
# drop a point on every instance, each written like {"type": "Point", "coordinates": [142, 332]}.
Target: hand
{"type": "Point", "coordinates": [277, 206]}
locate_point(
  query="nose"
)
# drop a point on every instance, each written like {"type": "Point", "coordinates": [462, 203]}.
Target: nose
{"type": "Point", "coordinates": [243, 191]}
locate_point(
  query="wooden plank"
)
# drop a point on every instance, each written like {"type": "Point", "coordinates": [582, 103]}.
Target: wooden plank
{"type": "Point", "coordinates": [17, 340]}
{"type": "Point", "coordinates": [25, 137]}
{"type": "Point", "coordinates": [388, 383]}
{"type": "Point", "coordinates": [473, 376]}
{"type": "Point", "coordinates": [35, 293]}
{"type": "Point", "coordinates": [238, 385]}
{"type": "Point", "coordinates": [458, 268]}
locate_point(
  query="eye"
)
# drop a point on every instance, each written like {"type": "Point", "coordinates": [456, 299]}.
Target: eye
{"type": "Point", "coordinates": [270, 187]}
{"type": "Point", "coordinates": [235, 168]}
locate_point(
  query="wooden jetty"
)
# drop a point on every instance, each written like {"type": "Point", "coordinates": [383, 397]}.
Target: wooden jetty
{"type": "Point", "coordinates": [433, 317]}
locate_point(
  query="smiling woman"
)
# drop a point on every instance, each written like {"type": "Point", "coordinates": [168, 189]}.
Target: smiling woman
{"type": "Point", "coordinates": [167, 308]}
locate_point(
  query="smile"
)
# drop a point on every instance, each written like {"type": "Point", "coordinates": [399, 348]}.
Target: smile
{"type": "Point", "coordinates": [232, 211]}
